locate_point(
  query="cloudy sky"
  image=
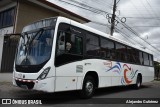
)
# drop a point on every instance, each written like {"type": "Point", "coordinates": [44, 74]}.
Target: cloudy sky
{"type": "Point", "coordinates": [142, 19]}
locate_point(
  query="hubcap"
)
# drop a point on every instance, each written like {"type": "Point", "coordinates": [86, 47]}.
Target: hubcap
{"type": "Point", "coordinates": [89, 87]}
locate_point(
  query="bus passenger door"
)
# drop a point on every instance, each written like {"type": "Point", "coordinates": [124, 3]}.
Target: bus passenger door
{"type": "Point", "coordinates": [68, 61]}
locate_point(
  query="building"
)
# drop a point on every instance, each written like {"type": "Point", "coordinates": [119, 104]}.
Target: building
{"type": "Point", "coordinates": [15, 14]}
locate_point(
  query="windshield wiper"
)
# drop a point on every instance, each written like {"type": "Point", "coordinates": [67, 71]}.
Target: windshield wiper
{"type": "Point", "coordinates": [30, 40]}
{"type": "Point", "coordinates": [40, 31]}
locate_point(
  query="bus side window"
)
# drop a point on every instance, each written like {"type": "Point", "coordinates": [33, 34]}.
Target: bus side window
{"type": "Point", "coordinates": [78, 45]}
{"type": "Point", "coordinates": [74, 44]}
{"type": "Point", "coordinates": [141, 58]}
{"type": "Point", "coordinates": [92, 45]}
{"type": "Point", "coordinates": [69, 43]}
{"type": "Point", "coordinates": [146, 58]}
{"type": "Point", "coordinates": [61, 43]}
{"type": "Point", "coordinates": [130, 55]}
{"type": "Point", "coordinates": [120, 52]}
{"type": "Point", "coordinates": [69, 48]}
{"type": "Point", "coordinates": [151, 60]}
{"type": "Point", "coordinates": [107, 49]}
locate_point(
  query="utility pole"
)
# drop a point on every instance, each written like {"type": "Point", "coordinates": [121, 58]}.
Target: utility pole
{"type": "Point", "coordinates": [113, 18]}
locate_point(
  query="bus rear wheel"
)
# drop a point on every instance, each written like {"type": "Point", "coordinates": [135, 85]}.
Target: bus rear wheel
{"type": "Point", "coordinates": [138, 82]}
{"type": "Point", "coordinates": [88, 88]}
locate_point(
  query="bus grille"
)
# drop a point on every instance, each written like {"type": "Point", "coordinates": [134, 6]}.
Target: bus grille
{"type": "Point", "coordinates": [29, 85]}
{"type": "Point", "coordinates": [28, 69]}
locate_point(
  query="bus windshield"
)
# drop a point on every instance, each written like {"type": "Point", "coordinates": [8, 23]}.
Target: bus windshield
{"type": "Point", "coordinates": [35, 44]}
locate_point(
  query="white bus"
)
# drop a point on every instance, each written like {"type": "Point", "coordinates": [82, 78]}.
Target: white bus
{"type": "Point", "coordinates": [59, 54]}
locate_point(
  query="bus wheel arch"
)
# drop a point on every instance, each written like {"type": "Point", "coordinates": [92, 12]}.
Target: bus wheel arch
{"type": "Point", "coordinates": [95, 76]}
{"type": "Point", "coordinates": [90, 82]}
{"type": "Point", "coordinates": [138, 81]}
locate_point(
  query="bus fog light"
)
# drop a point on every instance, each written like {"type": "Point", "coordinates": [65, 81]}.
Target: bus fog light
{"type": "Point", "coordinates": [44, 73]}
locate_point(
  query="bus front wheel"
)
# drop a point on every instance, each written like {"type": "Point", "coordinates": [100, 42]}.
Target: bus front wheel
{"type": "Point", "coordinates": [88, 88]}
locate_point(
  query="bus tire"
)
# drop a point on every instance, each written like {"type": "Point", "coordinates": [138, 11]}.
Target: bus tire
{"type": "Point", "coordinates": [88, 88]}
{"type": "Point", "coordinates": [138, 82]}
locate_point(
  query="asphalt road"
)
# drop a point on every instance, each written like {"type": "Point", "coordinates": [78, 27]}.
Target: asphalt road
{"type": "Point", "coordinates": [103, 97]}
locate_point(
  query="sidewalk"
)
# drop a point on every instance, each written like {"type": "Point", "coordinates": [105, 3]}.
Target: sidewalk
{"type": "Point", "coordinates": [5, 77]}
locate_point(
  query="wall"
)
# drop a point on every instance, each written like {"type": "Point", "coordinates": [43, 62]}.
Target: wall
{"type": "Point", "coordinates": [6, 30]}
{"type": "Point", "coordinates": [29, 12]}
{"type": "Point", "coordinates": [26, 13]}
{"type": "Point", "coordinates": [1, 49]}
{"type": "Point", "coordinates": [3, 31]}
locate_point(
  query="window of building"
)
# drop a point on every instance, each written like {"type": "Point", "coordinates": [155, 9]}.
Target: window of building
{"type": "Point", "coordinates": [120, 52]}
{"type": "Point", "coordinates": [107, 49]}
{"type": "Point", "coordinates": [92, 45]}
{"type": "Point", "coordinates": [7, 18]}
{"type": "Point", "coordinates": [146, 59]}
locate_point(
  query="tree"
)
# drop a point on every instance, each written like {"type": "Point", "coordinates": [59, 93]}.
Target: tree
{"type": "Point", "coordinates": [157, 69]}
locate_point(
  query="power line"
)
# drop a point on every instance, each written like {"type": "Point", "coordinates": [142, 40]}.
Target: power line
{"type": "Point", "coordinates": [151, 7]}
{"type": "Point", "coordinates": [106, 25]}
{"type": "Point", "coordinates": [130, 37]}
{"type": "Point", "coordinates": [81, 7]}
{"type": "Point", "coordinates": [86, 7]}
{"type": "Point", "coordinates": [145, 7]}
{"type": "Point", "coordinates": [134, 40]}
{"type": "Point", "coordinates": [151, 18]}
{"type": "Point", "coordinates": [118, 30]}
{"type": "Point", "coordinates": [124, 35]}
{"type": "Point", "coordinates": [98, 2]}
{"type": "Point", "coordinates": [136, 8]}
{"type": "Point", "coordinates": [144, 26]}
{"type": "Point", "coordinates": [104, 3]}
{"type": "Point", "coordinates": [81, 4]}
{"type": "Point", "coordinates": [152, 10]}
{"type": "Point", "coordinates": [101, 11]}
{"type": "Point", "coordinates": [134, 32]}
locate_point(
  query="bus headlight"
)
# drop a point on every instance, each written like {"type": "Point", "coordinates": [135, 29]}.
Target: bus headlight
{"type": "Point", "coordinates": [44, 74]}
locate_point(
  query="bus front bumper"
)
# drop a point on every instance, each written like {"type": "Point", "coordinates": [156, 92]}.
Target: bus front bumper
{"type": "Point", "coordinates": [46, 85]}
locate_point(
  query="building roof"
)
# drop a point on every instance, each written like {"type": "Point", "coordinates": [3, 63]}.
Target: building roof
{"type": "Point", "coordinates": [4, 2]}
{"type": "Point", "coordinates": [61, 10]}
{"type": "Point", "coordinates": [51, 6]}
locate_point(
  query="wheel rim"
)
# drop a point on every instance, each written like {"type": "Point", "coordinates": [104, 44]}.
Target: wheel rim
{"type": "Point", "coordinates": [89, 87]}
